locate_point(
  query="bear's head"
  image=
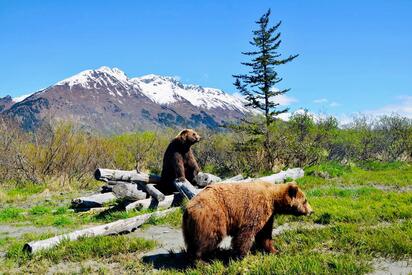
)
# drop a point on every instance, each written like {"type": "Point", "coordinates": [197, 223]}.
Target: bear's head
{"type": "Point", "coordinates": [296, 202]}
{"type": "Point", "coordinates": [188, 136]}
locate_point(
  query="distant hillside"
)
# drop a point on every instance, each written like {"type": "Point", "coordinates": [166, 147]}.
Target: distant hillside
{"type": "Point", "coordinates": [108, 101]}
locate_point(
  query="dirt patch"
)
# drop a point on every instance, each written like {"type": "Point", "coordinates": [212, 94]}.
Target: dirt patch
{"type": "Point", "coordinates": [18, 231]}
{"type": "Point", "coordinates": [387, 266]}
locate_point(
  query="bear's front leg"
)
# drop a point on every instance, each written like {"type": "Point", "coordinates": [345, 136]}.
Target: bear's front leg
{"type": "Point", "coordinates": [263, 238]}
{"type": "Point", "coordinates": [179, 167]}
{"type": "Point", "coordinates": [242, 242]}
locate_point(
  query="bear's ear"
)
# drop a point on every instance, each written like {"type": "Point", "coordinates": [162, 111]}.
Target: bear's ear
{"type": "Point", "coordinates": [292, 190]}
{"type": "Point", "coordinates": [183, 134]}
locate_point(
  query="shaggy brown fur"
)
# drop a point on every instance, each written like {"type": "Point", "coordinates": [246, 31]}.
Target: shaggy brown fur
{"type": "Point", "coordinates": [179, 161]}
{"type": "Point", "coordinates": [244, 211]}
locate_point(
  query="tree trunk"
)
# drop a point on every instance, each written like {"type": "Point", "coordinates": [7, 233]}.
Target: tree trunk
{"type": "Point", "coordinates": [117, 227]}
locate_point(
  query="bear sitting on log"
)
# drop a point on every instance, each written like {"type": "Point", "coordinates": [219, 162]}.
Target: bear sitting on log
{"type": "Point", "coordinates": [244, 211]}
{"type": "Point", "coordinates": [179, 161]}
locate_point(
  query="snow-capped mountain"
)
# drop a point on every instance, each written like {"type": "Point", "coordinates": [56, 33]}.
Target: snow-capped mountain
{"type": "Point", "coordinates": [167, 90]}
{"type": "Point", "coordinates": [106, 99]}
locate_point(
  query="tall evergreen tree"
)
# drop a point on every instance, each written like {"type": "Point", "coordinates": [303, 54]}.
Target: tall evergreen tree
{"type": "Point", "coordinates": [258, 86]}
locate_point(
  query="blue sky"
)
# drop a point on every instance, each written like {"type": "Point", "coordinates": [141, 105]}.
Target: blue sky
{"type": "Point", "coordinates": [355, 56]}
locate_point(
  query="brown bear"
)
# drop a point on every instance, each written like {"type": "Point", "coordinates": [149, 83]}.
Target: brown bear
{"type": "Point", "coordinates": [244, 211]}
{"type": "Point", "coordinates": [179, 161]}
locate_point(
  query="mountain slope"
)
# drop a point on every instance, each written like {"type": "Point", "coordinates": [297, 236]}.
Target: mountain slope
{"type": "Point", "coordinates": [6, 103]}
{"type": "Point", "coordinates": [108, 101]}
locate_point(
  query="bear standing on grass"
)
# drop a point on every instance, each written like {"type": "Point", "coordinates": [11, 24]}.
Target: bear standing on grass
{"type": "Point", "coordinates": [244, 211]}
{"type": "Point", "coordinates": [179, 161]}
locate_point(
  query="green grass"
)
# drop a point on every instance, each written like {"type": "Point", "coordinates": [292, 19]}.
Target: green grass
{"type": "Point", "coordinates": [40, 215]}
{"type": "Point", "coordinates": [390, 177]}
{"type": "Point", "coordinates": [360, 222]}
{"type": "Point", "coordinates": [372, 173]}
{"type": "Point", "coordinates": [379, 166]}
{"type": "Point", "coordinates": [11, 215]}
{"type": "Point", "coordinates": [13, 191]}
{"type": "Point", "coordinates": [47, 214]}
{"type": "Point", "coordinates": [329, 169]}
{"type": "Point", "coordinates": [304, 263]}
{"type": "Point", "coordinates": [360, 205]}
{"type": "Point", "coordinates": [173, 219]}
{"type": "Point", "coordinates": [394, 240]}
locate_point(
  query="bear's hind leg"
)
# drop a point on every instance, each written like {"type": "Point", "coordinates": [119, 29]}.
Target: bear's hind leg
{"type": "Point", "coordinates": [242, 242]}
{"type": "Point", "coordinates": [203, 247]}
{"type": "Point", "coordinates": [209, 245]}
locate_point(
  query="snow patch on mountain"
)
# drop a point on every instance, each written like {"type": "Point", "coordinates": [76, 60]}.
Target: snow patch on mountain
{"type": "Point", "coordinates": [168, 90]}
{"type": "Point", "coordinates": [104, 76]}
{"type": "Point", "coordinates": [21, 98]}
{"type": "Point", "coordinates": [162, 90]}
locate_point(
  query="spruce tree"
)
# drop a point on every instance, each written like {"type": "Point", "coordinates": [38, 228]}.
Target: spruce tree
{"type": "Point", "coordinates": [258, 86]}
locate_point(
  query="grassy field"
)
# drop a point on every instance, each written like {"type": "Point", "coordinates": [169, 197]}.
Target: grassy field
{"type": "Point", "coordinates": [362, 212]}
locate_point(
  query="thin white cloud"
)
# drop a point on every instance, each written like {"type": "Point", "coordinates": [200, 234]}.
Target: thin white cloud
{"type": "Point", "coordinates": [325, 101]}
{"type": "Point", "coordinates": [284, 100]}
{"type": "Point", "coordinates": [403, 108]}
{"type": "Point", "coordinates": [320, 100]}
{"type": "Point", "coordinates": [334, 104]}
{"type": "Point", "coordinates": [316, 117]}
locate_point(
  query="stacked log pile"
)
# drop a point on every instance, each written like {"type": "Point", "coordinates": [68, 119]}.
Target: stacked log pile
{"type": "Point", "coordinates": [125, 187]}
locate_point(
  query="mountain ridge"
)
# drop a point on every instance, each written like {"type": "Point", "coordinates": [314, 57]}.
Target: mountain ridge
{"type": "Point", "coordinates": [107, 100]}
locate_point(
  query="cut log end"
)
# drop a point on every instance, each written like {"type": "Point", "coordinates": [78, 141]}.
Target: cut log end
{"type": "Point", "coordinates": [27, 248]}
{"type": "Point", "coordinates": [97, 174]}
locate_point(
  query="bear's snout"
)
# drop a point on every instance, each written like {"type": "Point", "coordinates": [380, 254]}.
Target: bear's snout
{"type": "Point", "coordinates": [309, 210]}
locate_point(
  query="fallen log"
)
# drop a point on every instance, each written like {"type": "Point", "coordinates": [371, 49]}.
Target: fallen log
{"type": "Point", "coordinates": [151, 203]}
{"type": "Point", "coordinates": [186, 188]}
{"type": "Point", "coordinates": [96, 200]}
{"type": "Point", "coordinates": [128, 191]}
{"type": "Point", "coordinates": [91, 211]}
{"type": "Point", "coordinates": [235, 178]}
{"type": "Point", "coordinates": [117, 227]}
{"type": "Point", "coordinates": [203, 179]}
{"type": "Point", "coordinates": [154, 192]}
{"type": "Point", "coordinates": [291, 173]}
{"type": "Point", "coordinates": [120, 175]}
{"type": "Point", "coordinates": [106, 189]}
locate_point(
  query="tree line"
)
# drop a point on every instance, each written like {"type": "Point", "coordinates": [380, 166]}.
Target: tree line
{"type": "Point", "coordinates": [66, 153]}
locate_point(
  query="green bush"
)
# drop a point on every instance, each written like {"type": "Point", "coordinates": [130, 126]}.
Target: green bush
{"type": "Point", "coordinates": [67, 155]}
